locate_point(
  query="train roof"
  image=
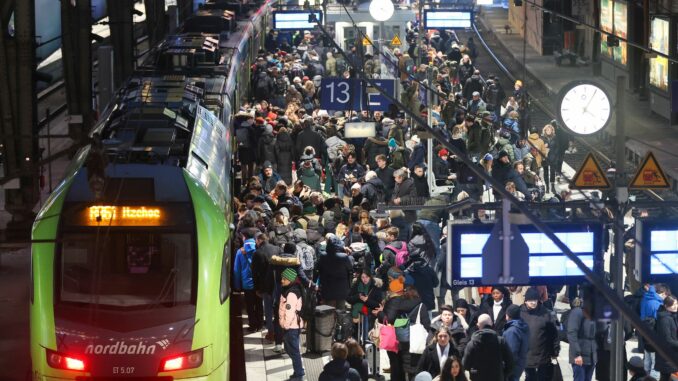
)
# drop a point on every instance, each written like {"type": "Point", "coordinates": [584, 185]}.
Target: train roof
{"type": "Point", "coordinates": [154, 118]}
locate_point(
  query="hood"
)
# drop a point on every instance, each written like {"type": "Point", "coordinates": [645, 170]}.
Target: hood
{"type": "Point", "coordinates": [519, 324]}
{"type": "Point", "coordinates": [249, 245]}
{"type": "Point", "coordinates": [337, 367]}
{"type": "Point", "coordinates": [300, 235]}
{"type": "Point", "coordinates": [651, 294]}
{"type": "Point", "coordinates": [485, 335]}
{"type": "Point", "coordinates": [267, 137]}
{"type": "Point", "coordinates": [284, 137]}
{"type": "Point", "coordinates": [533, 136]}
{"type": "Point", "coordinates": [376, 182]}
{"type": "Point", "coordinates": [503, 141]}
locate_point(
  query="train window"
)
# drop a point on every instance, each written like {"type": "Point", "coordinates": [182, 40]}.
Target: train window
{"type": "Point", "coordinates": [225, 288]}
{"type": "Point", "coordinates": [124, 269]}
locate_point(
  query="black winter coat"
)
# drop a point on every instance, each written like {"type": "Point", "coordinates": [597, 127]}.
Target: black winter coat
{"type": "Point", "coordinates": [425, 280]}
{"type": "Point", "coordinates": [421, 185]}
{"type": "Point", "coordinates": [262, 270]}
{"type": "Point", "coordinates": [430, 362]}
{"type": "Point", "coordinates": [400, 306]}
{"type": "Point", "coordinates": [373, 190]}
{"type": "Point", "coordinates": [339, 369]}
{"type": "Point", "coordinates": [544, 341]}
{"type": "Point", "coordinates": [487, 308]}
{"type": "Point", "coordinates": [372, 148]}
{"type": "Point", "coordinates": [308, 137]}
{"type": "Point", "coordinates": [668, 329]}
{"type": "Point", "coordinates": [335, 272]}
{"type": "Point", "coordinates": [407, 192]}
{"type": "Point", "coordinates": [360, 365]}
{"type": "Point", "coordinates": [487, 356]}
{"type": "Point", "coordinates": [386, 177]}
{"type": "Point", "coordinates": [266, 147]}
{"type": "Point", "coordinates": [284, 156]}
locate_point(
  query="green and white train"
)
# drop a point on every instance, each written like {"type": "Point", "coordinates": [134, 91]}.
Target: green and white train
{"type": "Point", "coordinates": [131, 254]}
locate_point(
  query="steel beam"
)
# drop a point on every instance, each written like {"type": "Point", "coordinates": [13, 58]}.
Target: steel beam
{"type": "Point", "coordinates": [122, 39]}
{"type": "Point", "coordinates": [156, 21]}
{"type": "Point", "coordinates": [76, 23]}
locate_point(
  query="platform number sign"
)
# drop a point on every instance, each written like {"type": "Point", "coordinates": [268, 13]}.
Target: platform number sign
{"type": "Point", "coordinates": [339, 94]}
{"type": "Point", "coordinates": [353, 94]}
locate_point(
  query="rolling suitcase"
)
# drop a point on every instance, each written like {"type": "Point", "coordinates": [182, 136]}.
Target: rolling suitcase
{"type": "Point", "coordinates": [372, 354]}
{"type": "Point", "coordinates": [320, 331]}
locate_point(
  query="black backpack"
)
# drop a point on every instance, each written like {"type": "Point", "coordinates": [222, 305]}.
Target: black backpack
{"type": "Point", "coordinates": [562, 332]}
{"type": "Point", "coordinates": [309, 300]}
{"type": "Point", "coordinates": [651, 323]}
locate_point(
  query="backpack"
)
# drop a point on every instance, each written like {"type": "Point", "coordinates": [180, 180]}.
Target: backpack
{"type": "Point", "coordinates": [306, 256]}
{"type": "Point", "coordinates": [242, 136]}
{"type": "Point", "coordinates": [651, 323]}
{"type": "Point", "coordinates": [341, 66]}
{"type": "Point", "coordinates": [401, 255]}
{"type": "Point", "coordinates": [410, 67]}
{"type": "Point", "coordinates": [281, 235]}
{"type": "Point", "coordinates": [280, 86]}
{"type": "Point", "coordinates": [309, 300]}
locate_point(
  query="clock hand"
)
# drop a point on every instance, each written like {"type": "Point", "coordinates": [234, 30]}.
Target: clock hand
{"type": "Point", "coordinates": [590, 100]}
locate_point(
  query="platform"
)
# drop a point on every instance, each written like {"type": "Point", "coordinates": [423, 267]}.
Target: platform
{"type": "Point", "coordinates": [645, 130]}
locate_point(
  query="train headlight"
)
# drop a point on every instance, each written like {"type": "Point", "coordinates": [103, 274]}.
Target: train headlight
{"type": "Point", "coordinates": [183, 361]}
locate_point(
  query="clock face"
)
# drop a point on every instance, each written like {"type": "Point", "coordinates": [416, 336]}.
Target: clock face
{"type": "Point", "coordinates": [584, 108]}
{"type": "Point", "coordinates": [381, 10]}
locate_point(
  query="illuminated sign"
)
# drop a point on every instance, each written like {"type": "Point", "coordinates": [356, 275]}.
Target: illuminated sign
{"type": "Point", "coordinates": [657, 255]}
{"type": "Point", "coordinates": [103, 215]}
{"type": "Point", "coordinates": [547, 264]}
{"type": "Point", "coordinates": [294, 20]}
{"type": "Point", "coordinates": [447, 19]}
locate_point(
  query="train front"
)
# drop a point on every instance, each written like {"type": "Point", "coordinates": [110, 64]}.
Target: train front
{"type": "Point", "coordinates": [123, 285]}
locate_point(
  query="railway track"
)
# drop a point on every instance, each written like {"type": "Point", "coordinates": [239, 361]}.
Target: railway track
{"type": "Point", "coordinates": [493, 58]}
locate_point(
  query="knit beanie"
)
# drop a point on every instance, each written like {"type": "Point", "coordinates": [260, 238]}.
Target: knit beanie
{"type": "Point", "coordinates": [289, 274]}
{"type": "Point", "coordinates": [531, 294]}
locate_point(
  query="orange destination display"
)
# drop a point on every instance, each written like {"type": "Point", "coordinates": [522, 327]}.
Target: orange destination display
{"type": "Point", "coordinates": [108, 215]}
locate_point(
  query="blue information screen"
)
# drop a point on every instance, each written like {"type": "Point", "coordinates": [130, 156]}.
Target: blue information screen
{"type": "Point", "coordinates": [548, 265]}
{"type": "Point", "coordinates": [447, 19]}
{"type": "Point", "coordinates": [660, 250]}
{"type": "Point", "coordinates": [295, 20]}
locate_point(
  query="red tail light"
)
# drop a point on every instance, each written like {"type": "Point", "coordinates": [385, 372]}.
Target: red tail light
{"type": "Point", "coordinates": [183, 361]}
{"type": "Point", "coordinates": [63, 361]}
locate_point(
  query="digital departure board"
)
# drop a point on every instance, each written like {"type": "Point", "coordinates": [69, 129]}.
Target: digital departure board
{"type": "Point", "coordinates": [295, 20]}
{"type": "Point", "coordinates": [447, 19]}
{"type": "Point", "coordinates": [658, 250]}
{"type": "Point", "coordinates": [547, 264]}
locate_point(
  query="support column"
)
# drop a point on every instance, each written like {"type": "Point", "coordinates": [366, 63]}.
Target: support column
{"type": "Point", "coordinates": [156, 20]}
{"type": "Point", "coordinates": [122, 39]}
{"type": "Point", "coordinates": [76, 21]}
{"type": "Point", "coordinates": [185, 8]}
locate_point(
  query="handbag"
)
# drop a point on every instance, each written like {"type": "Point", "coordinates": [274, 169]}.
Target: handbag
{"type": "Point", "coordinates": [557, 372]}
{"type": "Point", "coordinates": [373, 334]}
{"type": "Point", "coordinates": [418, 335]}
{"type": "Point", "coordinates": [387, 338]}
{"type": "Point", "coordinates": [402, 329]}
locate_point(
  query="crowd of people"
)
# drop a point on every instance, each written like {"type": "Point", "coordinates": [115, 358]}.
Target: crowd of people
{"type": "Point", "coordinates": [309, 229]}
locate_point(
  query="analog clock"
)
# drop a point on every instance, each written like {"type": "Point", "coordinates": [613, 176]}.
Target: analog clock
{"type": "Point", "coordinates": [584, 107]}
{"type": "Point", "coordinates": [381, 10]}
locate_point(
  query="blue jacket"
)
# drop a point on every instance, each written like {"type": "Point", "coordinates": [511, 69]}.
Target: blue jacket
{"type": "Point", "coordinates": [517, 336]}
{"type": "Point", "coordinates": [417, 156]}
{"type": "Point", "coordinates": [650, 303]}
{"type": "Point", "coordinates": [242, 269]}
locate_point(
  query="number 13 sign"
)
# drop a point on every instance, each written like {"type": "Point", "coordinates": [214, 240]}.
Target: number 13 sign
{"type": "Point", "coordinates": [347, 94]}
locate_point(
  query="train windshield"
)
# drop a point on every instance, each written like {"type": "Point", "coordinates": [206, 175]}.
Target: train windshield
{"type": "Point", "coordinates": [127, 269]}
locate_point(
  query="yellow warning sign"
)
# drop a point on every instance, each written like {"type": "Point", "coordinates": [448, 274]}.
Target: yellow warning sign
{"type": "Point", "coordinates": [366, 41]}
{"type": "Point", "coordinates": [649, 175]}
{"type": "Point", "coordinates": [396, 41]}
{"type": "Point", "coordinates": [590, 176]}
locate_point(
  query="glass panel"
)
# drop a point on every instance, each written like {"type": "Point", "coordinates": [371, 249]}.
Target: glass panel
{"type": "Point", "coordinates": [127, 269]}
